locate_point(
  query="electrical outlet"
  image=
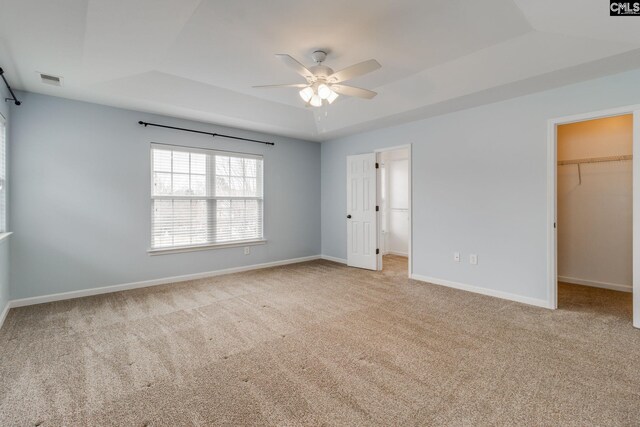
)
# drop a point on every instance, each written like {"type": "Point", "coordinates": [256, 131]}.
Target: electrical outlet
{"type": "Point", "coordinates": [473, 259]}
{"type": "Point", "coordinates": [247, 250]}
{"type": "Point", "coordinates": [456, 256]}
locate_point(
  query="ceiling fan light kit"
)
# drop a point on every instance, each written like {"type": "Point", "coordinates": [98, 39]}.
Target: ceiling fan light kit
{"type": "Point", "coordinates": [322, 86]}
{"type": "Point", "coordinates": [317, 93]}
{"type": "Point", "coordinates": [332, 97]}
{"type": "Point", "coordinates": [323, 91]}
{"type": "Point", "coordinates": [316, 101]}
{"type": "Point", "coordinates": [306, 94]}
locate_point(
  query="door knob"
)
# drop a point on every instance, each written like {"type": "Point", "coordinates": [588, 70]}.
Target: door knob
{"type": "Point", "coordinates": [349, 216]}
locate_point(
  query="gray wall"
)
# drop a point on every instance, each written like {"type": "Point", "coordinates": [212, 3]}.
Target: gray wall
{"type": "Point", "coordinates": [479, 184]}
{"type": "Point", "coordinates": [80, 200]}
{"type": "Point", "coordinates": [4, 244]}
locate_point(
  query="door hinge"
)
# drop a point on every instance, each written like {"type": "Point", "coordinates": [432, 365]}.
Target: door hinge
{"type": "Point", "coordinates": [554, 225]}
{"type": "Point", "coordinates": [377, 251]}
{"type": "Point", "coordinates": [377, 165]}
{"type": "Point", "coordinates": [377, 208]}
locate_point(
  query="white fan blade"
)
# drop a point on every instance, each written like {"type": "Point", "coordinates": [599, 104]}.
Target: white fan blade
{"type": "Point", "coordinates": [295, 65]}
{"type": "Point", "coordinates": [353, 91]}
{"type": "Point", "coordinates": [354, 71]}
{"type": "Point", "coordinates": [300, 85]}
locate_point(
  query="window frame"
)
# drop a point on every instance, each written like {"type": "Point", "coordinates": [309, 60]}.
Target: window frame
{"type": "Point", "coordinates": [210, 199]}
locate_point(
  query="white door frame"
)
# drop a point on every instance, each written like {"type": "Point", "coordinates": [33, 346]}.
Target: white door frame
{"type": "Point", "coordinates": [552, 179]}
{"type": "Point", "coordinates": [410, 207]}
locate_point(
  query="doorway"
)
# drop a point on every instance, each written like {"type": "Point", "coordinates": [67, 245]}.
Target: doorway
{"type": "Point", "coordinates": [379, 227]}
{"type": "Point", "coordinates": [594, 203]}
{"type": "Point", "coordinates": [594, 241]}
{"type": "Point", "coordinates": [394, 202]}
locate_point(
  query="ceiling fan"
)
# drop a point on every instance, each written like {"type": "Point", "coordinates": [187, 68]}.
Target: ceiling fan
{"type": "Point", "coordinates": [323, 84]}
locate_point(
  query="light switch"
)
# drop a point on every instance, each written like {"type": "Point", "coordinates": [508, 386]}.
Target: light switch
{"type": "Point", "coordinates": [456, 256]}
{"type": "Point", "coordinates": [473, 259]}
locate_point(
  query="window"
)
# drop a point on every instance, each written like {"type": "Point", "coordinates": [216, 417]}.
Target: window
{"type": "Point", "coordinates": [203, 198]}
{"type": "Point", "coordinates": [3, 175]}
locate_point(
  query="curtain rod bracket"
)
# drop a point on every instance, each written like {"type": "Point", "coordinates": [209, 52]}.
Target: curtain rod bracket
{"type": "Point", "coordinates": [13, 98]}
{"type": "Point", "coordinates": [213, 134]}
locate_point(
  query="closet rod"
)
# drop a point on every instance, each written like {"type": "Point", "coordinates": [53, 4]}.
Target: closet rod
{"type": "Point", "coordinates": [145, 124]}
{"type": "Point", "coordinates": [579, 162]}
{"type": "Point", "coordinates": [595, 160]}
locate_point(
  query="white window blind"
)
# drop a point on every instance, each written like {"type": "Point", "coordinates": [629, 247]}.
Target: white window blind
{"type": "Point", "coordinates": [3, 175]}
{"type": "Point", "coordinates": [204, 197]}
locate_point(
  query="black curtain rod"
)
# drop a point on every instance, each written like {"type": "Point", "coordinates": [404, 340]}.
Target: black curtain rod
{"type": "Point", "coordinates": [14, 99]}
{"type": "Point", "coordinates": [145, 124]}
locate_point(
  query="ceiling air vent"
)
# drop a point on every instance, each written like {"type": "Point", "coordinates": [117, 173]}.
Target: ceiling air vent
{"type": "Point", "coordinates": [50, 79]}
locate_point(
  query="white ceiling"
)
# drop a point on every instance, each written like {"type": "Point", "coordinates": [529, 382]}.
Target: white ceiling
{"type": "Point", "coordinates": [198, 59]}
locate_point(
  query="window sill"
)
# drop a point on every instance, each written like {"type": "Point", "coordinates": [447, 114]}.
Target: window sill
{"type": "Point", "coordinates": [5, 235]}
{"type": "Point", "coordinates": [236, 244]}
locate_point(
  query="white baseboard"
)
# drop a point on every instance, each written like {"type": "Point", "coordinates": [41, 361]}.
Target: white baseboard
{"type": "Point", "coordinates": [4, 313]}
{"type": "Point", "coordinates": [595, 284]}
{"type": "Point", "coordinates": [404, 254]}
{"type": "Point", "coordinates": [484, 291]}
{"type": "Point", "coordinates": [334, 259]}
{"type": "Point", "coordinates": [154, 282]}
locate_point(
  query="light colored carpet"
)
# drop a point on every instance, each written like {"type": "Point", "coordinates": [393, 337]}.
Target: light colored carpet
{"type": "Point", "coordinates": [320, 344]}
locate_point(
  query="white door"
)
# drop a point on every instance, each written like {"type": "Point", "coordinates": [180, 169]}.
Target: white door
{"type": "Point", "coordinates": [361, 211]}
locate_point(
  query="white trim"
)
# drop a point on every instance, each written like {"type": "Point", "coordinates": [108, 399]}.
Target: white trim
{"type": "Point", "coordinates": [210, 176]}
{"type": "Point", "coordinates": [5, 235]}
{"type": "Point", "coordinates": [483, 291]}
{"type": "Point", "coordinates": [404, 254]}
{"type": "Point", "coordinates": [191, 149]}
{"type": "Point", "coordinates": [552, 259]}
{"type": "Point", "coordinates": [206, 197]}
{"type": "Point", "coordinates": [334, 259]}
{"type": "Point", "coordinates": [601, 114]}
{"type": "Point", "coordinates": [552, 241]}
{"type": "Point", "coordinates": [177, 250]}
{"type": "Point", "coordinates": [4, 313]}
{"type": "Point", "coordinates": [596, 284]}
{"type": "Point", "coordinates": [635, 250]}
{"type": "Point", "coordinates": [380, 232]}
{"type": "Point", "coordinates": [154, 282]}
{"type": "Point", "coordinates": [394, 148]}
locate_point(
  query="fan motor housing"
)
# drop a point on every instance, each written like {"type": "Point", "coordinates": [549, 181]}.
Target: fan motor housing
{"type": "Point", "coordinates": [321, 71]}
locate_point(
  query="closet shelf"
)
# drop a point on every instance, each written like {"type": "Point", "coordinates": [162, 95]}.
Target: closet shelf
{"type": "Point", "coordinates": [595, 160]}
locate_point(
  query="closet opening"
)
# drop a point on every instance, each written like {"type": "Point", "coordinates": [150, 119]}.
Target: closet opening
{"type": "Point", "coordinates": [594, 216]}
{"type": "Point", "coordinates": [394, 204]}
